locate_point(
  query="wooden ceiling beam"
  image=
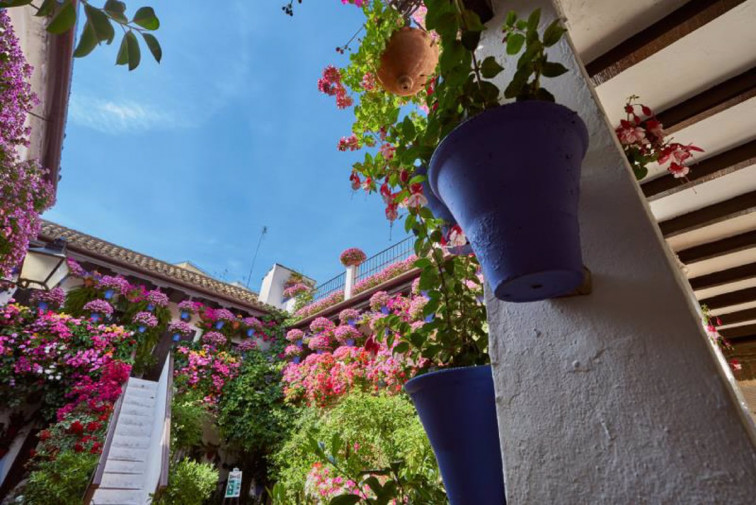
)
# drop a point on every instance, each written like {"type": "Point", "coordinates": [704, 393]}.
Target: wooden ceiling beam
{"type": "Point", "coordinates": [713, 214]}
{"type": "Point", "coordinates": [748, 330]}
{"type": "Point", "coordinates": [740, 316]}
{"type": "Point", "coordinates": [716, 99]}
{"type": "Point", "coordinates": [718, 248]}
{"type": "Point", "coordinates": [732, 298]}
{"type": "Point", "coordinates": [719, 165]}
{"type": "Point", "coordinates": [723, 277]}
{"type": "Point", "coordinates": [676, 25]}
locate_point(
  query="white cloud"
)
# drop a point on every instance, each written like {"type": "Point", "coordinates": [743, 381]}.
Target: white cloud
{"type": "Point", "coordinates": [122, 116]}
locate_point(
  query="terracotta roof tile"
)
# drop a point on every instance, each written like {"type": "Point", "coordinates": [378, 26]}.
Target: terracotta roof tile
{"type": "Point", "coordinates": [87, 244]}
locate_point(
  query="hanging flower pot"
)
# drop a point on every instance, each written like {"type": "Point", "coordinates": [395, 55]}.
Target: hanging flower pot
{"type": "Point", "coordinates": [142, 329]}
{"type": "Point", "coordinates": [185, 315]}
{"type": "Point", "coordinates": [95, 317]}
{"type": "Point", "coordinates": [150, 307]}
{"type": "Point", "coordinates": [219, 324]}
{"type": "Point", "coordinates": [458, 412]}
{"type": "Point", "coordinates": [250, 332]}
{"type": "Point", "coordinates": [511, 178]}
{"type": "Point", "coordinates": [409, 60]}
{"type": "Point", "coordinates": [43, 306]}
{"type": "Point", "coordinates": [109, 294]}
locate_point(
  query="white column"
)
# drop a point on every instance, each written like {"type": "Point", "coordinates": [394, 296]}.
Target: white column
{"type": "Point", "coordinates": [351, 277]}
{"type": "Point", "coordinates": [615, 397]}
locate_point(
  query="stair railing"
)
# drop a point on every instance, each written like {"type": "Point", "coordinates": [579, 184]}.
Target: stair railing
{"type": "Point", "coordinates": [100, 470]}
{"type": "Point", "coordinates": [166, 439]}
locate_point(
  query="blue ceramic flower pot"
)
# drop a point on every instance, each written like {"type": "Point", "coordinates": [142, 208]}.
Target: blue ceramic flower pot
{"type": "Point", "coordinates": [95, 317]}
{"type": "Point", "coordinates": [458, 412]}
{"type": "Point", "coordinates": [150, 307]}
{"type": "Point", "coordinates": [176, 337]}
{"type": "Point", "coordinates": [185, 316]}
{"type": "Point", "coordinates": [352, 322]}
{"type": "Point", "coordinates": [511, 178]}
{"type": "Point", "coordinates": [435, 205]}
{"type": "Point", "coordinates": [43, 306]}
{"type": "Point", "coordinates": [350, 342]}
{"type": "Point", "coordinates": [219, 325]}
{"type": "Point", "coordinates": [296, 359]}
{"type": "Point", "coordinates": [250, 332]}
{"type": "Point", "coordinates": [109, 294]}
{"type": "Point", "coordinates": [300, 344]}
{"type": "Point", "coordinates": [384, 310]}
{"type": "Point", "coordinates": [141, 329]}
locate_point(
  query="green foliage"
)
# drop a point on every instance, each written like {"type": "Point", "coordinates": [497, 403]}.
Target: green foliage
{"type": "Point", "coordinates": [189, 483]}
{"type": "Point", "coordinates": [253, 418]}
{"type": "Point", "coordinates": [62, 481]}
{"type": "Point", "coordinates": [372, 432]}
{"type": "Point", "coordinates": [98, 26]}
{"type": "Point", "coordinates": [533, 63]}
{"type": "Point", "coordinates": [188, 418]}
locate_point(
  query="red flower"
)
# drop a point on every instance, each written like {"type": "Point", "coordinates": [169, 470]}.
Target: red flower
{"type": "Point", "coordinates": [78, 447]}
{"type": "Point", "coordinates": [44, 435]}
{"type": "Point", "coordinates": [76, 428]}
{"type": "Point", "coordinates": [93, 426]}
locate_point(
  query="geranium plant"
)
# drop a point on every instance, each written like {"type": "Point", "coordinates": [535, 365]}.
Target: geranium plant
{"type": "Point", "coordinates": [643, 139]}
{"type": "Point", "coordinates": [352, 257]}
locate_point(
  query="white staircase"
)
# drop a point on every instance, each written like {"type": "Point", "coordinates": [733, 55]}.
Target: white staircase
{"type": "Point", "coordinates": [133, 465]}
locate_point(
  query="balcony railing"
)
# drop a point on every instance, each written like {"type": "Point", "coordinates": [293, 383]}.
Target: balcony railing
{"type": "Point", "coordinates": [378, 262]}
{"type": "Point", "coordinates": [373, 265]}
{"type": "Point", "coordinates": [329, 287]}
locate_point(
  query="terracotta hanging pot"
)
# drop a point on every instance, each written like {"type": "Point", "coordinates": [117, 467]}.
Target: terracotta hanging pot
{"type": "Point", "coordinates": [408, 62]}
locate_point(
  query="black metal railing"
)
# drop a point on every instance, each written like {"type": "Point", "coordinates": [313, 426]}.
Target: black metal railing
{"type": "Point", "coordinates": [329, 287]}
{"type": "Point", "coordinates": [378, 262]}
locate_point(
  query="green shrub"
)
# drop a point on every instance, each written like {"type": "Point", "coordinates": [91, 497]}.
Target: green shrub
{"type": "Point", "coordinates": [62, 481]}
{"type": "Point", "coordinates": [384, 428]}
{"type": "Point", "coordinates": [188, 417]}
{"type": "Point", "coordinates": [189, 483]}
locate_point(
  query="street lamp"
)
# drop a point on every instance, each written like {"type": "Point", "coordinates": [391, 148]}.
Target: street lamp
{"type": "Point", "coordinates": [44, 267]}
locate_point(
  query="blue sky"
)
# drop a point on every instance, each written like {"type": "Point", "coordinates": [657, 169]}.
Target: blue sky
{"type": "Point", "coordinates": [189, 159]}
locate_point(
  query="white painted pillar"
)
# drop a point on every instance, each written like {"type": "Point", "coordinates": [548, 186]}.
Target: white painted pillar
{"type": "Point", "coordinates": [349, 281]}
{"type": "Point", "coordinates": [615, 397]}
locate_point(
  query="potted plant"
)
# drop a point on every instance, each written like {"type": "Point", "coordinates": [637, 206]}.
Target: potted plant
{"type": "Point", "coordinates": [98, 309]}
{"type": "Point", "coordinates": [144, 320]}
{"type": "Point", "coordinates": [352, 257]}
{"type": "Point", "coordinates": [187, 309]}
{"type": "Point", "coordinates": [402, 135]}
{"type": "Point", "coordinates": [180, 329]}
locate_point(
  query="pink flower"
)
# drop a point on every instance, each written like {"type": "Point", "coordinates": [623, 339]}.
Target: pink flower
{"type": "Point", "coordinates": [368, 82]}
{"type": "Point", "coordinates": [387, 150]}
{"type": "Point", "coordinates": [350, 143]}
{"type": "Point", "coordinates": [630, 134]}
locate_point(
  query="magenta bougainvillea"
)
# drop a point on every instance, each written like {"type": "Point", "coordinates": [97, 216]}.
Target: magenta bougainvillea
{"type": "Point", "coordinates": [205, 370]}
{"type": "Point", "coordinates": [24, 192]}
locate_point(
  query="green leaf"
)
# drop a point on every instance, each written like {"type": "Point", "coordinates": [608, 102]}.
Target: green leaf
{"type": "Point", "coordinates": [401, 348]}
{"type": "Point", "coordinates": [490, 68]}
{"type": "Point", "coordinates": [518, 82]}
{"type": "Point", "coordinates": [470, 40]}
{"type": "Point", "coordinates": [146, 18]}
{"type": "Point", "coordinates": [154, 46]}
{"type": "Point", "coordinates": [123, 53]}
{"type": "Point", "coordinates": [552, 69]}
{"type": "Point", "coordinates": [544, 95]}
{"type": "Point", "coordinates": [553, 33]}
{"type": "Point", "coordinates": [344, 499]}
{"type": "Point", "coordinates": [514, 43]}
{"type": "Point", "coordinates": [14, 3]}
{"type": "Point", "coordinates": [534, 19]}
{"type": "Point", "coordinates": [64, 20]}
{"type": "Point", "coordinates": [47, 7]}
{"type": "Point", "coordinates": [511, 18]}
{"type": "Point", "coordinates": [447, 24]}
{"type": "Point", "coordinates": [375, 485]}
{"type": "Point", "coordinates": [100, 23]}
{"type": "Point", "coordinates": [116, 10]}
{"type": "Point", "coordinates": [87, 41]}
{"type": "Point", "coordinates": [133, 48]}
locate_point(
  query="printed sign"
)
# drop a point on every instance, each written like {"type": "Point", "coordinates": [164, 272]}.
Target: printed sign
{"type": "Point", "coordinates": [233, 487]}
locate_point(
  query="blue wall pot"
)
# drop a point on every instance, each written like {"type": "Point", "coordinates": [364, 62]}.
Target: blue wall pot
{"type": "Point", "coordinates": [43, 306]}
{"type": "Point", "coordinates": [350, 342]}
{"type": "Point", "coordinates": [185, 316]}
{"type": "Point", "coordinates": [109, 294]}
{"type": "Point", "coordinates": [141, 328]}
{"type": "Point", "coordinates": [435, 205]}
{"type": "Point", "coordinates": [511, 178]}
{"type": "Point", "coordinates": [150, 307]}
{"type": "Point", "coordinates": [219, 325]}
{"type": "Point", "coordinates": [95, 317]}
{"type": "Point", "coordinates": [457, 409]}
{"type": "Point", "coordinates": [250, 332]}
